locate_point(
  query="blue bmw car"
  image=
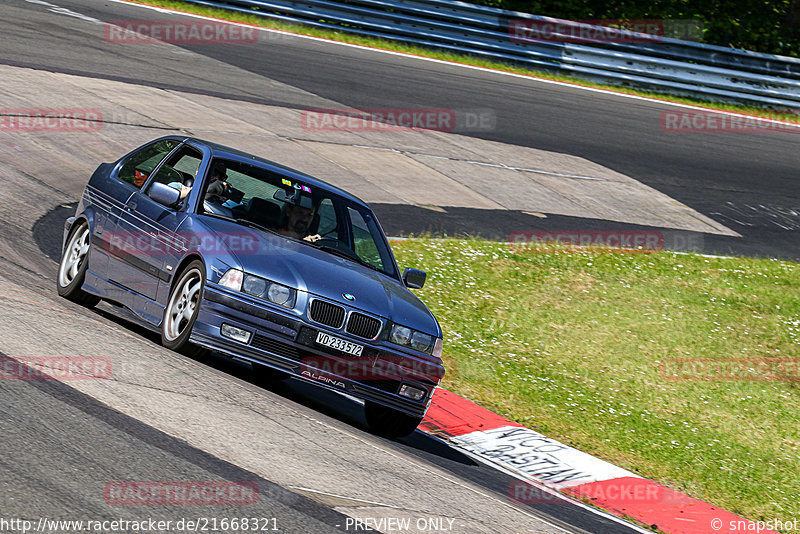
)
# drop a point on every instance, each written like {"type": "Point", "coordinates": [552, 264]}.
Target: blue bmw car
{"type": "Point", "coordinates": [227, 251]}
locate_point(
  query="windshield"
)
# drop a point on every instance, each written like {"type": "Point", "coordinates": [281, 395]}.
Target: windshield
{"type": "Point", "coordinates": [252, 195]}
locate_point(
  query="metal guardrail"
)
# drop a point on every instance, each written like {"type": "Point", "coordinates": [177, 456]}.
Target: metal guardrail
{"type": "Point", "coordinates": [637, 60]}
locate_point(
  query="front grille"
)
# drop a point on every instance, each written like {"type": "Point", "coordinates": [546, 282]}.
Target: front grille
{"type": "Point", "coordinates": [363, 325]}
{"type": "Point", "coordinates": [326, 313]}
{"type": "Point", "coordinates": [275, 347]}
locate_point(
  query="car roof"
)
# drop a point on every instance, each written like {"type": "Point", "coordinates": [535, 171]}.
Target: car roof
{"type": "Point", "coordinates": [226, 152]}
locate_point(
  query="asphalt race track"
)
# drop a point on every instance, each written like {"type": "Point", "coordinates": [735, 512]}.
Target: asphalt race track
{"type": "Point", "coordinates": [165, 417]}
{"type": "Point", "coordinates": [746, 181]}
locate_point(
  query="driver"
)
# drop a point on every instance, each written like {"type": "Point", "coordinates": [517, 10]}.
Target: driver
{"type": "Point", "coordinates": [218, 186]}
{"type": "Point", "coordinates": [298, 220]}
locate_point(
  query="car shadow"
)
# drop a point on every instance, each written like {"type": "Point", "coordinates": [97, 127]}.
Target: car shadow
{"type": "Point", "coordinates": [330, 403]}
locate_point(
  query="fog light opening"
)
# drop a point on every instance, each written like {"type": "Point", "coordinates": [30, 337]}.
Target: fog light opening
{"type": "Point", "coordinates": [235, 333]}
{"type": "Point", "coordinates": [412, 393]}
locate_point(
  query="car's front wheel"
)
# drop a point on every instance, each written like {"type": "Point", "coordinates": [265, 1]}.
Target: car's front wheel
{"type": "Point", "coordinates": [388, 422]}
{"type": "Point", "coordinates": [72, 269]}
{"type": "Point", "coordinates": [182, 308]}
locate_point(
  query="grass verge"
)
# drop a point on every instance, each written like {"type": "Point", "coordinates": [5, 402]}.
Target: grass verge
{"type": "Point", "coordinates": [343, 36]}
{"type": "Point", "coordinates": [581, 346]}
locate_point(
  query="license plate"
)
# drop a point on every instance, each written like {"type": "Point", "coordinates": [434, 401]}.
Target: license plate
{"type": "Point", "coordinates": [339, 344]}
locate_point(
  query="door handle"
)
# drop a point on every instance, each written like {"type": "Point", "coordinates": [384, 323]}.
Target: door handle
{"type": "Point", "coordinates": [131, 205]}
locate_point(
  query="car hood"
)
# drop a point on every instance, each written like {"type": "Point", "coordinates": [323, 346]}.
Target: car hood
{"type": "Point", "coordinates": [328, 276]}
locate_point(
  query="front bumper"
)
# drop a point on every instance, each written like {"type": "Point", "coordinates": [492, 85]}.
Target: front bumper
{"type": "Point", "coordinates": [288, 343]}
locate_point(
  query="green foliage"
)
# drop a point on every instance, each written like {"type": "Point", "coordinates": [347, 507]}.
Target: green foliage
{"type": "Point", "coordinates": [578, 343]}
{"type": "Point", "coordinates": [770, 26]}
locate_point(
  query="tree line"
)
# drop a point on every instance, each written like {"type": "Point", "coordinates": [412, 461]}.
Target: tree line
{"type": "Point", "coordinates": [770, 26]}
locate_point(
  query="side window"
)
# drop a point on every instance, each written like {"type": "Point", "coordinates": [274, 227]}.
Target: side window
{"type": "Point", "coordinates": [180, 169]}
{"type": "Point", "coordinates": [140, 164]}
{"type": "Point", "coordinates": [363, 240]}
{"type": "Point", "coordinates": [327, 220]}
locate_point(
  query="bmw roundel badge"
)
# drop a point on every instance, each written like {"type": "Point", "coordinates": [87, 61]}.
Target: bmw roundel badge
{"type": "Point", "coordinates": [349, 297]}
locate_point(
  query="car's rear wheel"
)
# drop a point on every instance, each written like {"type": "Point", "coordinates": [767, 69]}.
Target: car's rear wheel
{"type": "Point", "coordinates": [72, 268]}
{"type": "Point", "coordinates": [182, 308]}
{"type": "Point", "coordinates": [388, 422]}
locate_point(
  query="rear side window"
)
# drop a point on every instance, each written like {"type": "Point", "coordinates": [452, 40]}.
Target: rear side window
{"type": "Point", "coordinates": [180, 169]}
{"type": "Point", "coordinates": [140, 164]}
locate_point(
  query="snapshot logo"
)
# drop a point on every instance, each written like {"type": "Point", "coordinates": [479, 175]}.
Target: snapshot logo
{"type": "Point", "coordinates": [695, 121]}
{"type": "Point", "coordinates": [731, 369]}
{"type": "Point", "coordinates": [144, 244]}
{"type": "Point", "coordinates": [398, 119]}
{"type": "Point", "coordinates": [743, 525]}
{"type": "Point", "coordinates": [624, 241]}
{"type": "Point", "coordinates": [54, 368]}
{"type": "Point", "coordinates": [133, 493]}
{"type": "Point", "coordinates": [135, 32]}
{"type": "Point", "coordinates": [604, 30]}
{"type": "Point", "coordinates": [50, 119]}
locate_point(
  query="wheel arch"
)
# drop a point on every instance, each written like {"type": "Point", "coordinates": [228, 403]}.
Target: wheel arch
{"type": "Point", "coordinates": [72, 222]}
{"type": "Point", "coordinates": [182, 265]}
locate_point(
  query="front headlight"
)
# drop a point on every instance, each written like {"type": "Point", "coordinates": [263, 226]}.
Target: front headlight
{"type": "Point", "coordinates": [401, 335]}
{"type": "Point", "coordinates": [254, 285]}
{"type": "Point", "coordinates": [259, 287]}
{"type": "Point", "coordinates": [232, 279]}
{"type": "Point", "coordinates": [406, 337]}
{"type": "Point", "coordinates": [281, 295]}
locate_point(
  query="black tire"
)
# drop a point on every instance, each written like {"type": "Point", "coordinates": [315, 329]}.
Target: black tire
{"type": "Point", "coordinates": [73, 265]}
{"type": "Point", "coordinates": [388, 422]}
{"type": "Point", "coordinates": [176, 326]}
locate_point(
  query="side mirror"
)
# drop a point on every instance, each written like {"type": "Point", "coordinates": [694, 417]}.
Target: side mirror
{"type": "Point", "coordinates": [414, 278]}
{"type": "Point", "coordinates": [164, 194]}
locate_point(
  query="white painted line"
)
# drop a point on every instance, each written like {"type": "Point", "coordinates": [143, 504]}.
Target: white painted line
{"type": "Point", "coordinates": [64, 11]}
{"type": "Point", "coordinates": [536, 456]}
{"type": "Point", "coordinates": [70, 13]}
{"type": "Point", "coordinates": [538, 484]}
{"type": "Point", "coordinates": [371, 503]}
